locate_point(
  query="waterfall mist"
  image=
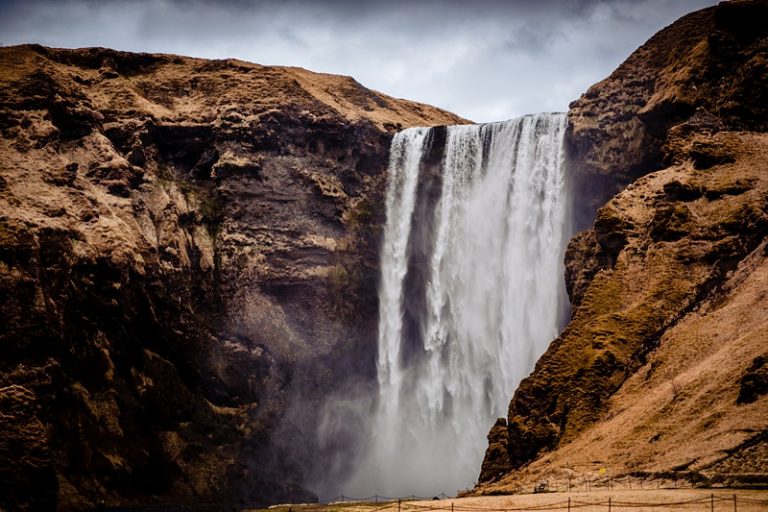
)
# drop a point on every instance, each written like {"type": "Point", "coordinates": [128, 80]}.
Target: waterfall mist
{"type": "Point", "coordinates": [471, 293]}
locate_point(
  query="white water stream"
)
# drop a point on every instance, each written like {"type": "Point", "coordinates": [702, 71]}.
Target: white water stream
{"type": "Point", "coordinates": [471, 294]}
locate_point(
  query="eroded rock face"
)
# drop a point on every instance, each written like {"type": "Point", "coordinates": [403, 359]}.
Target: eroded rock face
{"type": "Point", "coordinates": [496, 462]}
{"type": "Point", "coordinates": [704, 73]}
{"type": "Point", "coordinates": [185, 246]}
{"type": "Point", "coordinates": [658, 368]}
{"type": "Point", "coordinates": [754, 383]}
{"type": "Point", "coordinates": [27, 476]}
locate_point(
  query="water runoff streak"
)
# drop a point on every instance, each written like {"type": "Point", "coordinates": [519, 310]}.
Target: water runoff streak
{"type": "Point", "coordinates": [471, 294]}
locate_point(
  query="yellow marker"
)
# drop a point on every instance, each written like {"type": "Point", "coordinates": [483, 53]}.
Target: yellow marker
{"type": "Point", "coordinates": [602, 471]}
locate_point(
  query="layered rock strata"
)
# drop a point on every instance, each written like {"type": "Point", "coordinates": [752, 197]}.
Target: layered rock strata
{"type": "Point", "coordinates": [186, 246]}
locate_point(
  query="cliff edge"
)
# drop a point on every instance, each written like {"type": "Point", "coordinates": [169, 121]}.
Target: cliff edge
{"type": "Point", "coordinates": [662, 367]}
{"type": "Point", "coordinates": [186, 247]}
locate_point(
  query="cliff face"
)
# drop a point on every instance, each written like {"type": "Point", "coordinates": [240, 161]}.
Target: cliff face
{"type": "Point", "coordinates": [662, 366]}
{"type": "Point", "coordinates": [704, 73]}
{"type": "Point", "coordinates": [185, 246]}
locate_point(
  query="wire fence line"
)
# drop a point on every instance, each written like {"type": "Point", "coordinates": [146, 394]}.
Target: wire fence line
{"type": "Point", "coordinates": [376, 498]}
{"type": "Point", "coordinates": [610, 503]}
{"type": "Point", "coordinates": [656, 481]}
{"type": "Point", "coordinates": [711, 503]}
{"type": "Point", "coordinates": [670, 480]}
{"type": "Point", "coordinates": [610, 483]}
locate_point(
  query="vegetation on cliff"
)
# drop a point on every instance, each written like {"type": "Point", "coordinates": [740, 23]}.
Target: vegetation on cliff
{"type": "Point", "coordinates": [669, 326]}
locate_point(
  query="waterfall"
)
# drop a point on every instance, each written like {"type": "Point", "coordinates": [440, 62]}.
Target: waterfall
{"type": "Point", "coordinates": [471, 294]}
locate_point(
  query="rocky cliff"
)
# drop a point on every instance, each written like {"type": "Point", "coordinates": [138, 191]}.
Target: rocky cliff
{"type": "Point", "coordinates": [662, 366]}
{"type": "Point", "coordinates": [186, 246]}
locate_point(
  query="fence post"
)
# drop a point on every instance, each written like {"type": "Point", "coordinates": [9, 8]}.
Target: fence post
{"type": "Point", "coordinates": [342, 498]}
{"type": "Point", "coordinates": [451, 506]}
{"type": "Point", "coordinates": [609, 504]}
{"type": "Point", "coordinates": [712, 502]}
{"type": "Point", "coordinates": [398, 504]}
{"type": "Point", "coordinates": [734, 503]}
{"type": "Point", "coordinates": [569, 504]}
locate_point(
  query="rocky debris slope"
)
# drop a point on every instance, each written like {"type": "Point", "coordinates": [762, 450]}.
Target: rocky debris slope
{"type": "Point", "coordinates": [662, 366]}
{"type": "Point", "coordinates": [185, 246]}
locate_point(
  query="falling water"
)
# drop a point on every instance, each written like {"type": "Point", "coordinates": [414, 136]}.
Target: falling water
{"type": "Point", "coordinates": [471, 294]}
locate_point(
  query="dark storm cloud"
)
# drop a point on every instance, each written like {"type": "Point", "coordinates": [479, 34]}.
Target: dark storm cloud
{"type": "Point", "coordinates": [483, 59]}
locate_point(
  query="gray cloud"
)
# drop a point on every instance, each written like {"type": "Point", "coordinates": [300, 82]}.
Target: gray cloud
{"type": "Point", "coordinates": [486, 59]}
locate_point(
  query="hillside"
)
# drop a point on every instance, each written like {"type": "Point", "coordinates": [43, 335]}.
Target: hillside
{"type": "Point", "coordinates": [663, 366]}
{"type": "Point", "coordinates": [186, 247]}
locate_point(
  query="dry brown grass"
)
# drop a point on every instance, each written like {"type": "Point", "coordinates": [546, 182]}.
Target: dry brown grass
{"type": "Point", "coordinates": [202, 91]}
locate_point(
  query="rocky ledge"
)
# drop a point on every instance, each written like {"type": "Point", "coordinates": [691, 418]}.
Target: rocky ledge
{"type": "Point", "coordinates": [179, 240]}
{"type": "Point", "coordinates": [662, 366]}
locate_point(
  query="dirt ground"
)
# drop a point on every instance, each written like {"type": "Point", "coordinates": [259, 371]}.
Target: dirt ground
{"type": "Point", "coordinates": [584, 501]}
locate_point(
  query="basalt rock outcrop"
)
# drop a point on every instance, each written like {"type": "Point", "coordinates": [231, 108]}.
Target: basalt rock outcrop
{"type": "Point", "coordinates": [186, 246]}
{"type": "Point", "coordinates": [662, 365]}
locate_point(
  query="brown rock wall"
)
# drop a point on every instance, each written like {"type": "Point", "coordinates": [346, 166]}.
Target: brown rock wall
{"type": "Point", "coordinates": [185, 247]}
{"type": "Point", "coordinates": [669, 156]}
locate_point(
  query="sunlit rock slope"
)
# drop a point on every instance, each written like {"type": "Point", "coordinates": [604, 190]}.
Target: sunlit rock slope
{"type": "Point", "coordinates": [662, 367]}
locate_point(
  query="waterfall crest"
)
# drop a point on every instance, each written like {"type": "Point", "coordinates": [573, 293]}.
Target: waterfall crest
{"type": "Point", "coordinates": [471, 294]}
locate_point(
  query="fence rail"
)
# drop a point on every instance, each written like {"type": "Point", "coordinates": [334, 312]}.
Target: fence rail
{"type": "Point", "coordinates": [710, 503]}
{"type": "Point", "coordinates": [651, 481]}
{"type": "Point", "coordinates": [668, 481]}
{"type": "Point", "coordinates": [376, 499]}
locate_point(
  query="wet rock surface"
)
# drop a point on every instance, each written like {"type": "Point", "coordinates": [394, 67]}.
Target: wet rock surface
{"type": "Point", "coordinates": [186, 246]}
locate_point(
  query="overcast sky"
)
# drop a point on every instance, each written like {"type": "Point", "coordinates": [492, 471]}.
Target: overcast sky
{"type": "Point", "coordinates": [486, 60]}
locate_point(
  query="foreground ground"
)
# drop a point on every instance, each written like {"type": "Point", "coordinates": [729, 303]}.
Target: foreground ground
{"type": "Point", "coordinates": [586, 501]}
